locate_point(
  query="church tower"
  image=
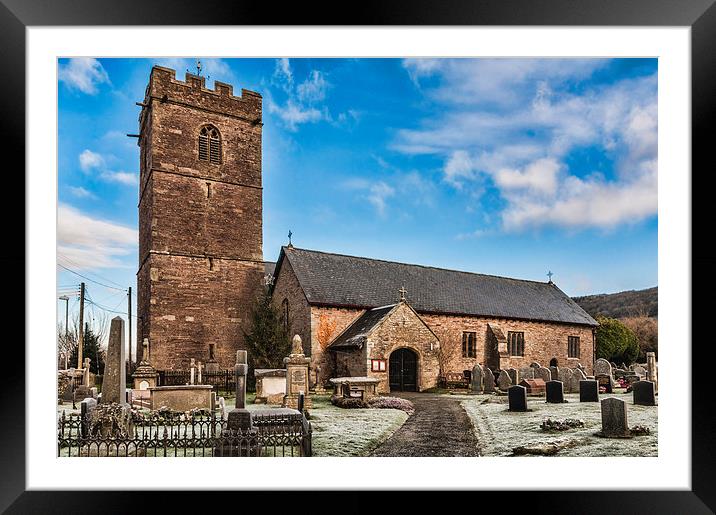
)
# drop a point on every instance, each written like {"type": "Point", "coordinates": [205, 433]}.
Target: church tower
{"type": "Point", "coordinates": [200, 219]}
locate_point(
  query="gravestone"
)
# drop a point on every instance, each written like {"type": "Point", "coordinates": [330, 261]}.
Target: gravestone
{"type": "Point", "coordinates": [222, 408]}
{"type": "Point", "coordinates": [606, 381]}
{"type": "Point", "coordinates": [504, 381]}
{"type": "Point", "coordinates": [565, 375]}
{"type": "Point", "coordinates": [577, 376]}
{"type": "Point", "coordinates": [145, 376]}
{"type": "Point", "coordinates": [555, 373]}
{"type": "Point", "coordinates": [614, 418]}
{"type": "Point", "coordinates": [651, 370]}
{"type": "Point", "coordinates": [476, 381]}
{"type": "Point", "coordinates": [297, 365]}
{"type": "Point", "coordinates": [517, 396]}
{"type": "Point", "coordinates": [534, 364]}
{"type": "Point", "coordinates": [192, 371]}
{"type": "Point", "coordinates": [543, 373]}
{"type": "Point", "coordinates": [602, 367]}
{"type": "Point", "coordinates": [640, 371]}
{"type": "Point", "coordinates": [212, 366]}
{"type": "Point", "coordinates": [588, 391]}
{"type": "Point", "coordinates": [644, 393]}
{"type": "Point", "coordinates": [513, 375]}
{"type": "Point", "coordinates": [527, 373]}
{"type": "Point", "coordinates": [114, 386]}
{"type": "Point", "coordinates": [240, 417]}
{"type": "Point", "coordinates": [555, 392]}
{"type": "Point", "coordinates": [489, 380]}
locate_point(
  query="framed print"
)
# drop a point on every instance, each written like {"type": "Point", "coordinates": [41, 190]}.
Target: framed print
{"type": "Point", "coordinates": [435, 240]}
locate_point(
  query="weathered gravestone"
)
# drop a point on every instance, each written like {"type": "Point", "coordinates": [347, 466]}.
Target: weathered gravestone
{"type": "Point", "coordinates": [555, 392]}
{"type": "Point", "coordinates": [114, 388]}
{"type": "Point", "coordinates": [606, 381]}
{"type": "Point", "coordinates": [565, 375]}
{"type": "Point", "coordinates": [543, 373]}
{"type": "Point", "coordinates": [512, 372]}
{"type": "Point", "coordinates": [644, 393]}
{"type": "Point", "coordinates": [297, 365]}
{"type": "Point", "coordinates": [640, 371]}
{"type": "Point", "coordinates": [614, 418]}
{"type": "Point", "coordinates": [651, 370]}
{"type": "Point", "coordinates": [554, 371]}
{"type": "Point", "coordinates": [527, 373]}
{"type": "Point", "coordinates": [517, 397]}
{"type": "Point", "coordinates": [504, 381]}
{"type": "Point", "coordinates": [602, 367]}
{"type": "Point", "coordinates": [577, 376]}
{"type": "Point", "coordinates": [489, 380]}
{"type": "Point", "coordinates": [476, 380]}
{"type": "Point", "coordinates": [534, 364]}
{"type": "Point", "coordinates": [588, 391]}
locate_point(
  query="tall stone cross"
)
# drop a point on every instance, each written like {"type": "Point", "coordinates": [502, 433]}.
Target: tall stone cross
{"type": "Point", "coordinates": [402, 291]}
{"type": "Point", "coordinates": [240, 371]}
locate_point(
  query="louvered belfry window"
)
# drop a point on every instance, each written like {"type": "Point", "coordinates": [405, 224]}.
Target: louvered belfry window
{"type": "Point", "coordinates": [210, 145]}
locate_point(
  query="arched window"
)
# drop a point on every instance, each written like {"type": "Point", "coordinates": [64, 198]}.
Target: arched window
{"type": "Point", "coordinates": [284, 314]}
{"type": "Point", "coordinates": [210, 145]}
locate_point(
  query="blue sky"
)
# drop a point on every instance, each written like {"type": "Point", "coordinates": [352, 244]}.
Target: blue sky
{"type": "Point", "coordinates": [502, 166]}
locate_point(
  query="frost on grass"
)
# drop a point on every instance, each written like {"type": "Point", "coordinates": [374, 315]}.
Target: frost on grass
{"type": "Point", "coordinates": [500, 431]}
{"type": "Point", "coordinates": [392, 403]}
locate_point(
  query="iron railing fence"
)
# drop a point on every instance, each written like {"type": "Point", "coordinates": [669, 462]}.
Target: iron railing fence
{"type": "Point", "coordinates": [223, 381]}
{"type": "Point", "coordinates": [194, 435]}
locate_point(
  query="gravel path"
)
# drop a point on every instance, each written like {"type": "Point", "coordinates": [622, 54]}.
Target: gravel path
{"type": "Point", "coordinates": [439, 427]}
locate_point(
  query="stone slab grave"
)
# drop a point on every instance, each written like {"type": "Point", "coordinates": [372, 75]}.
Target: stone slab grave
{"type": "Point", "coordinates": [588, 390]}
{"type": "Point", "coordinates": [517, 398]}
{"type": "Point", "coordinates": [503, 381]}
{"type": "Point", "coordinates": [644, 393]}
{"type": "Point", "coordinates": [477, 379]}
{"type": "Point", "coordinates": [114, 382]}
{"type": "Point", "coordinates": [555, 392]}
{"type": "Point", "coordinates": [182, 397]}
{"type": "Point", "coordinates": [270, 385]}
{"type": "Point", "coordinates": [534, 387]}
{"type": "Point", "coordinates": [489, 380]}
{"type": "Point", "coordinates": [614, 419]}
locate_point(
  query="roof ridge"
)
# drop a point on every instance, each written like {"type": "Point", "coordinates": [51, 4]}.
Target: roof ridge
{"type": "Point", "coordinates": [421, 266]}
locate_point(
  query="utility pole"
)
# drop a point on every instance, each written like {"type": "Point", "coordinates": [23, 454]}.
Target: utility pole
{"type": "Point", "coordinates": [81, 339]}
{"type": "Point", "coordinates": [129, 326]}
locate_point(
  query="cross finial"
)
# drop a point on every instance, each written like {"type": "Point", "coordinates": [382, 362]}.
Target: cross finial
{"type": "Point", "coordinates": [550, 274]}
{"type": "Point", "coordinates": [402, 291]}
{"type": "Point", "coordinates": [289, 237]}
{"type": "Point", "coordinates": [198, 67]}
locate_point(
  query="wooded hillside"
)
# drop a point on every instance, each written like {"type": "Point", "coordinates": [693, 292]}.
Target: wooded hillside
{"type": "Point", "coordinates": [625, 304]}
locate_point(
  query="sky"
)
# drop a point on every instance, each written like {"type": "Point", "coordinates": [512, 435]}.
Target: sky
{"type": "Point", "coordinates": [511, 167]}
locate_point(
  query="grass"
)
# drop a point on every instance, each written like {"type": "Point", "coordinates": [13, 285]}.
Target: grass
{"type": "Point", "coordinates": [499, 431]}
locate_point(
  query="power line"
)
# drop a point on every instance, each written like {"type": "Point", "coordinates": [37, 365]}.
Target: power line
{"type": "Point", "coordinates": [92, 280]}
{"type": "Point", "coordinates": [75, 263]}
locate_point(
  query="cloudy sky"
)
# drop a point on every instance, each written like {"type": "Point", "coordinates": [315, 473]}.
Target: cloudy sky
{"type": "Point", "coordinates": [501, 166]}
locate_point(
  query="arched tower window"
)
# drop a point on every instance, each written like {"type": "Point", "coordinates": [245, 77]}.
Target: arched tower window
{"type": "Point", "coordinates": [210, 145]}
{"type": "Point", "coordinates": [284, 314]}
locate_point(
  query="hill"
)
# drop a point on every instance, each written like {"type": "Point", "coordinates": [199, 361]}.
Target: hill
{"type": "Point", "coordinates": [631, 303]}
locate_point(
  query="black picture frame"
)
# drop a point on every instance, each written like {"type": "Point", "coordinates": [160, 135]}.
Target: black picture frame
{"type": "Point", "coordinates": [699, 15]}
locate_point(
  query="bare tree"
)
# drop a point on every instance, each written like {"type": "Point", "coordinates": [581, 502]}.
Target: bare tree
{"type": "Point", "coordinates": [68, 338]}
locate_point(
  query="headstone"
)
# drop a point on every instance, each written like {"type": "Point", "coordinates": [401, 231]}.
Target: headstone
{"type": "Point", "coordinates": [602, 367]}
{"type": "Point", "coordinates": [534, 364]}
{"type": "Point", "coordinates": [212, 366]}
{"type": "Point", "coordinates": [588, 391]}
{"type": "Point", "coordinates": [504, 381]}
{"type": "Point", "coordinates": [517, 397]}
{"type": "Point", "coordinates": [93, 392]}
{"type": "Point", "coordinates": [565, 375]}
{"type": "Point", "coordinates": [240, 417]}
{"type": "Point", "coordinates": [86, 373]}
{"type": "Point", "coordinates": [640, 371]}
{"type": "Point", "coordinates": [114, 385]}
{"type": "Point", "coordinates": [90, 403]}
{"type": "Point", "coordinates": [192, 367]}
{"type": "Point", "coordinates": [644, 393]}
{"type": "Point", "coordinates": [527, 373]}
{"type": "Point", "coordinates": [651, 369]}
{"type": "Point", "coordinates": [577, 377]}
{"type": "Point", "coordinates": [555, 373]}
{"type": "Point", "coordinates": [514, 377]}
{"type": "Point", "coordinates": [489, 380]}
{"type": "Point", "coordinates": [555, 392]}
{"type": "Point", "coordinates": [297, 365]}
{"type": "Point", "coordinates": [199, 366]}
{"type": "Point", "coordinates": [222, 408]}
{"type": "Point", "coordinates": [543, 373]}
{"type": "Point", "coordinates": [476, 381]}
{"type": "Point", "coordinates": [145, 376]}
{"type": "Point", "coordinates": [614, 418]}
{"type": "Point", "coordinates": [606, 381]}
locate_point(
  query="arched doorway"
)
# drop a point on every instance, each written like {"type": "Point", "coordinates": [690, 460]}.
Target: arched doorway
{"type": "Point", "coordinates": [553, 362]}
{"type": "Point", "coordinates": [403, 371]}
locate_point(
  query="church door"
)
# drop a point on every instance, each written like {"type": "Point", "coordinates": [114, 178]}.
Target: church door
{"type": "Point", "coordinates": [403, 371]}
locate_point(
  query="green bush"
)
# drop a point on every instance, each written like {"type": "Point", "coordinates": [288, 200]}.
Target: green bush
{"type": "Point", "coordinates": [615, 341]}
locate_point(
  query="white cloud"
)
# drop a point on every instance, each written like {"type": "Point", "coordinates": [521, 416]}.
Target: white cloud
{"type": "Point", "coordinates": [126, 178]}
{"type": "Point", "coordinates": [313, 89]}
{"type": "Point", "coordinates": [514, 122]}
{"type": "Point", "coordinates": [378, 196]}
{"type": "Point", "coordinates": [84, 74]}
{"type": "Point", "coordinates": [294, 114]}
{"type": "Point", "coordinates": [90, 160]}
{"type": "Point", "coordinates": [302, 104]}
{"type": "Point", "coordinates": [80, 192]}
{"type": "Point", "coordinates": [92, 243]}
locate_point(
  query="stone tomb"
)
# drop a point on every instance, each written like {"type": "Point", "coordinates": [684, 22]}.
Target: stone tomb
{"type": "Point", "coordinates": [270, 385]}
{"type": "Point", "coordinates": [183, 397]}
{"type": "Point", "coordinates": [535, 387]}
{"type": "Point", "coordinates": [644, 393]}
{"type": "Point", "coordinates": [517, 397]}
{"type": "Point", "coordinates": [614, 419]}
{"type": "Point", "coordinates": [588, 391]}
{"type": "Point", "coordinates": [555, 392]}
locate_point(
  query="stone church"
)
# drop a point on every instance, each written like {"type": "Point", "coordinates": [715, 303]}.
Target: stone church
{"type": "Point", "coordinates": [201, 266]}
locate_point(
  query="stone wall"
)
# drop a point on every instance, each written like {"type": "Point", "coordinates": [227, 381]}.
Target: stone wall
{"type": "Point", "coordinates": [200, 224]}
{"type": "Point", "coordinates": [286, 287]}
{"type": "Point", "coordinates": [339, 319]}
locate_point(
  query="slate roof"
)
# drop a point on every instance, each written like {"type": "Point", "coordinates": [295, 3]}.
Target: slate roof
{"type": "Point", "coordinates": [350, 281]}
{"type": "Point", "coordinates": [355, 334]}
